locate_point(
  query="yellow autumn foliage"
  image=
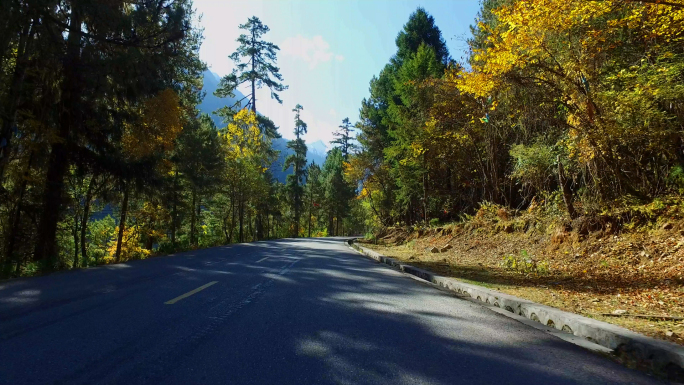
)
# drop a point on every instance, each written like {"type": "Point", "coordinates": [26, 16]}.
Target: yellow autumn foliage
{"type": "Point", "coordinates": [158, 127]}
{"type": "Point", "coordinates": [242, 137]}
{"type": "Point", "coordinates": [568, 46]}
{"type": "Point", "coordinates": [130, 246]}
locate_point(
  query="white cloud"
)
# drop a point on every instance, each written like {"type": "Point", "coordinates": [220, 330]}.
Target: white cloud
{"type": "Point", "coordinates": [318, 128]}
{"type": "Point", "coordinates": [333, 113]}
{"type": "Point", "coordinates": [313, 51]}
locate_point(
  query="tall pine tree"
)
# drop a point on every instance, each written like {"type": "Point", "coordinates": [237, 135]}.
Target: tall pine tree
{"type": "Point", "coordinates": [344, 139]}
{"type": "Point", "coordinates": [255, 61]}
{"type": "Point", "coordinates": [394, 115]}
{"type": "Point", "coordinates": [298, 162]}
{"type": "Point", "coordinates": [314, 190]}
{"type": "Point", "coordinates": [338, 193]}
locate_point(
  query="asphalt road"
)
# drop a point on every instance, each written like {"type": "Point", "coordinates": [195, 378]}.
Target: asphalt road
{"type": "Point", "coordinates": [307, 311]}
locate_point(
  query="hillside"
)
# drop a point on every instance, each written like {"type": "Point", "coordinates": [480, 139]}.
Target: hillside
{"type": "Point", "coordinates": [623, 271]}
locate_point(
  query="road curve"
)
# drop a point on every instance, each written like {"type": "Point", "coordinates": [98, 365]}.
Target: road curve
{"type": "Point", "coordinates": [293, 311]}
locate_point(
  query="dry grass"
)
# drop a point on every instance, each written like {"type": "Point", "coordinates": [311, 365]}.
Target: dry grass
{"type": "Point", "coordinates": [637, 271]}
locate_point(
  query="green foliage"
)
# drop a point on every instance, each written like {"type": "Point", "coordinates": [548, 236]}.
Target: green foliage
{"type": "Point", "coordinates": [100, 234]}
{"type": "Point", "coordinates": [576, 82]}
{"type": "Point", "coordinates": [298, 163]}
{"type": "Point", "coordinates": [338, 193]}
{"type": "Point", "coordinates": [393, 153]}
{"type": "Point", "coordinates": [255, 61]}
{"type": "Point", "coordinates": [170, 248]}
{"type": "Point", "coordinates": [524, 264]}
{"type": "Point", "coordinates": [30, 269]}
{"type": "Point", "coordinates": [533, 165]}
{"type": "Point", "coordinates": [676, 179]}
{"type": "Point", "coordinates": [343, 138]}
{"type": "Point", "coordinates": [421, 30]}
{"type": "Point", "coordinates": [131, 142]}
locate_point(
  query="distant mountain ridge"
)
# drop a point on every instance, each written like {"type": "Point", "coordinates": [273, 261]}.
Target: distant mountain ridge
{"type": "Point", "coordinates": [211, 102]}
{"type": "Point", "coordinates": [317, 151]}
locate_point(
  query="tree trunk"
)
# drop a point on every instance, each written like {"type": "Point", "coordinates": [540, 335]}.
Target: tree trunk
{"type": "Point", "coordinates": [295, 196]}
{"type": "Point", "coordinates": [225, 228]}
{"type": "Point", "coordinates": [174, 209]}
{"type": "Point", "coordinates": [331, 223]}
{"type": "Point", "coordinates": [122, 224]}
{"type": "Point", "coordinates": [232, 221]}
{"type": "Point", "coordinates": [241, 215]}
{"type": "Point", "coordinates": [149, 240]}
{"type": "Point", "coordinates": [425, 189]}
{"type": "Point", "coordinates": [250, 229]}
{"type": "Point", "coordinates": [567, 194]}
{"type": "Point", "coordinates": [58, 161]}
{"type": "Point", "coordinates": [85, 219]}
{"type": "Point", "coordinates": [52, 204]}
{"type": "Point", "coordinates": [225, 224]}
{"type": "Point", "coordinates": [257, 224]}
{"type": "Point", "coordinates": [198, 220]}
{"type": "Point", "coordinates": [253, 72]}
{"type": "Point", "coordinates": [75, 233]}
{"type": "Point", "coordinates": [193, 218]}
{"type": "Point", "coordinates": [310, 213]}
{"type": "Point", "coordinates": [337, 225]}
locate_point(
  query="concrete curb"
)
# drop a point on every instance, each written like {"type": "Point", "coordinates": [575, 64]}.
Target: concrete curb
{"type": "Point", "coordinates": [662, 357]}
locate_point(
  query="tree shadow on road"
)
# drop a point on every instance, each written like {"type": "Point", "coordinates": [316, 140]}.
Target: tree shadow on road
{"type": "Point", "coordinates": [342, 319]}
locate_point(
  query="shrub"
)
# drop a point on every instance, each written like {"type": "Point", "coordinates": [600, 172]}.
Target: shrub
{"type": "Point", "coordinates": [533, 165]}
{"type": "Point", "coordinates": [676, 179]}
{"type": "Point", "coordinates": [524, 264]}
{"type": "Point", "coordinates": [100, 233]}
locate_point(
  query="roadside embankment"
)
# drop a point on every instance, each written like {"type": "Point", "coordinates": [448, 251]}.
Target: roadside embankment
{"type": "Point", "coordinates": [662, 358]}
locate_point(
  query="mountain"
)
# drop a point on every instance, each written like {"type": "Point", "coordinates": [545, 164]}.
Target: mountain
{"type": "Point", "coordinates": [212, 102]}
{"type": "Point", "coordinates": [317, 151]}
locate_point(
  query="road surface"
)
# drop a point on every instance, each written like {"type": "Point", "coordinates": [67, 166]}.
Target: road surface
{"type": "Point", "coordinates": [306, 311]}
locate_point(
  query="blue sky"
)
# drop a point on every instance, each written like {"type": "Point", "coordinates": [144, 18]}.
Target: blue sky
{"type": "Point", "coordinates": [330, 49]}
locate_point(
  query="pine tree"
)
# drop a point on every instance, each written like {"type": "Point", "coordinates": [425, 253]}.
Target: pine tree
{"type": "Point", "coordinates": [338, 192]}
{"type": "Point", "coordinates": [298, 162]}
{"type": "Point", "coordinates": [395, 114]}
{"type": "Point", "coordinates": [420, 29]}
{"type": "Point", "coordinates": [255, 61]}
{"type": "Point", "coordinates": [313, 192]}
{"type": "Point", "coordinates": [95, 97]}
{"type": "Point", "coordinates": [344, 138]}
{"type": "Point", "coordinates": [201, 164]}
